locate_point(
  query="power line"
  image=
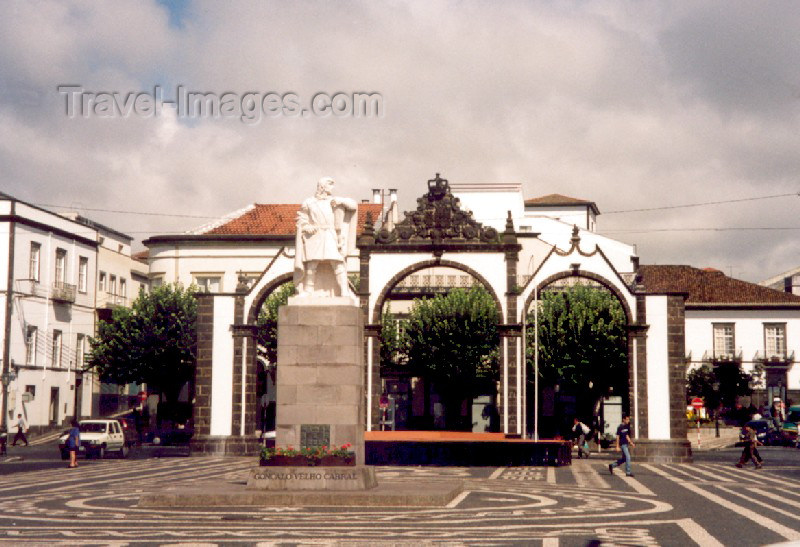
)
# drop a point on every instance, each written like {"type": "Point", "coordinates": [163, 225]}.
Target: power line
{"type": "Point", "coordinates": [736, 229]}
{"type": "Point", "coordinates": [699, 204]}
{"type": "Point", "coordinates": [175, 215]}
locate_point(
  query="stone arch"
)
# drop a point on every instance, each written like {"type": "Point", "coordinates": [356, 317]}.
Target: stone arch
{"type": "Point", "coordinates": [377, 311]}
{"type": "Point", "coordinates": [633, 329]}
{"type": "Point", "coordinates": [630, 318]}
{"type": "Point", "coordinates": [263, 294]}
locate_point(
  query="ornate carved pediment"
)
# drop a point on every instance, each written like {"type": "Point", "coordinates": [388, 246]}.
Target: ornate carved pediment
{"type": "Point", "coordinates": [438, 217]}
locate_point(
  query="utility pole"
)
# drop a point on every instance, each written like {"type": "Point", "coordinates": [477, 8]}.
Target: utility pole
{"type": "Point", "coordinates": [6, 371]}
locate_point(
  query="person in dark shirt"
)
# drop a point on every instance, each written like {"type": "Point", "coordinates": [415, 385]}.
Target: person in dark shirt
{"type": "Point", "coordinates": [750, 451]}
{"type": "Point", "coordinates": [624, 443]}
{"type": "Point", "coordinates": [73, 443]}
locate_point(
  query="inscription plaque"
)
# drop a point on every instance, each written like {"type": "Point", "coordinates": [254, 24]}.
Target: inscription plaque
{"type": "Point", "coordinates": [312, 435]}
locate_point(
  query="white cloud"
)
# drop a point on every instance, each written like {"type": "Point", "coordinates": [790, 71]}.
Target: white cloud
{"type": "Point", "coordinates": [628, 106]}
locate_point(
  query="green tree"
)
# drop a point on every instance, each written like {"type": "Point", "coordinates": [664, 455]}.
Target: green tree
{"type": "Point", "coordinates": [267, 322]}
{"type": "Point", "coordinates": [720, 384]}
{"type": "Point", "coordinates": [452, 339]}
{"type": "Point", "coordinates": [582, 339]}
{"type": "Point", "coordinates": [393, 339]}
{"type": "Point", "coordinates": [153, 341]}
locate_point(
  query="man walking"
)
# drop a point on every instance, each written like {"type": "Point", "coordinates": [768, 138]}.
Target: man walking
{"type": "Point", "coordinates": [624, 443]}
{"type": "Point", "coordinates": [21, 428]}
{"type": "Point", "coordinates": [750, 451]}
{"type": "Point", "coordinates": [580, 433]}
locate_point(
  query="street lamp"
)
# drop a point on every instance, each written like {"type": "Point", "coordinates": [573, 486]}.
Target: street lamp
{"type": "Point", "coordinates": [716, 410]}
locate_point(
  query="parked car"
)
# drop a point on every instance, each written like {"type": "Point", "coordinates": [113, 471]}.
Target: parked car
{"type": "Point", "coordinates": [789, 426]}
{"type": "Point", "coordinates": [171, 434]}
{"type": "Point", "coordinates": [766, 432]}
{"type": "Point", "coordinates": [98, 437]}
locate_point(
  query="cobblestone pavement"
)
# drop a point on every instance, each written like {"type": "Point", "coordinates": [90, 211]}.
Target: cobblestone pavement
{"type": "Point", "coordinates": [706, 503]}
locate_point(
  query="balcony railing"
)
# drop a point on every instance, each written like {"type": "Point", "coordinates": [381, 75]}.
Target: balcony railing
{"type": "Point", "coordinates": [762, 357]}
{"type": "Point", "coordinates": [710, 357]}
{"type": "Point", "coordinates": [112, 300]}
{"type": "Point", "coordinates": [63, 292]}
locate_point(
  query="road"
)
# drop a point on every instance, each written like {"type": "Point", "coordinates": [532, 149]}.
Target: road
{"type": "Point", "coordinates": [706, 503]}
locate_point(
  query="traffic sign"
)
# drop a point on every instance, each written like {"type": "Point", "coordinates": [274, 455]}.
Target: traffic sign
{"type": "Point", "coordinates": [697, 403]}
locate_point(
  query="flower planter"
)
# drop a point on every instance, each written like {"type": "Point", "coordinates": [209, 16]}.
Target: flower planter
{"type": "Point", "coordinates": [286, 461]}
{"type": "Point", "coordinates": [334, 461]}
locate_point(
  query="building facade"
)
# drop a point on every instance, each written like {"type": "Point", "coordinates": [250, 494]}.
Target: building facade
{"type": "Point", "coordinates": [50, 266]}
{"type": "Point", "coordinates": [733, 322]}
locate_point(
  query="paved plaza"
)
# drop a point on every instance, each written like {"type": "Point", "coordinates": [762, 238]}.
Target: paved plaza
{"type": "Point", "coordinates": [709, 502]}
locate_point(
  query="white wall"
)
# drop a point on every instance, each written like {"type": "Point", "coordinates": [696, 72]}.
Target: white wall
{"type": "Point", "coordinates": [657, 368]}
{"type": "Point", "coordinates": [490, 203]}
{"type": "Point", "coordinates": [222, 367]}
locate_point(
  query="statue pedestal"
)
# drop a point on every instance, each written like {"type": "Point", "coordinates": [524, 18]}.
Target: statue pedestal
{"type": "Point", "coordinates": [312, 478]}
{"type": "Point", "coordinates": [320, 374]}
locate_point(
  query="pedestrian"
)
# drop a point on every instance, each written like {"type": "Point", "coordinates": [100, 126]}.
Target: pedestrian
{"type": "Point", "coordinates": [580, 432]}
{"type": "Point", "coordinates": [624, 443]}
{"type": "Point", "coordinates": [73, 443]}
{"type": "Point", "coordinates": [22, 428]}
{"type": "Point", "coordinates": [750, 452]}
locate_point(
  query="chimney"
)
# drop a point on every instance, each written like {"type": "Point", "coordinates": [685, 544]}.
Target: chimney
{"type": "Point", "coordinates": [376, 195]}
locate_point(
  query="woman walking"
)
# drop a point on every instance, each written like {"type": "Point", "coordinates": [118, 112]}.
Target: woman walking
{"type": "Point", "coordinates": [73, 443]}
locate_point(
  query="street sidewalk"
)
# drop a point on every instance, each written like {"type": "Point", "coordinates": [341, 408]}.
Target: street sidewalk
{"type": "Point", "coordinates": [707, 439]}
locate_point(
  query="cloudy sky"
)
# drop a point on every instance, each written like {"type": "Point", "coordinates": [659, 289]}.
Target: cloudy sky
{"type": "Point", "coordinates": [631, 105]}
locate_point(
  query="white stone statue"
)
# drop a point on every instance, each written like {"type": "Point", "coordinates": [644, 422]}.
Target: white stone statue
{"type": "Point", "coordinates": [326, 234]}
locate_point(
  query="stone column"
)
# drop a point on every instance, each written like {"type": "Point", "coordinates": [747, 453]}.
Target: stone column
{"type": "Point", "coordinates": [320, 374]}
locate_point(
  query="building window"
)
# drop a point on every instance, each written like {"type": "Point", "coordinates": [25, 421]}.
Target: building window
{"type": "Point", "coordinates": [112, 284]}
{"type": "Point", "coordinates": [57, 344]}
{"type": "Point", "coordinates": [208, 283]}
{"type": "Point", "coordinates": [80, 351]}
{"type": "Point", "coordinates": [61, 267]}
{"type": "Point", "coordinates": [36, 250]}
{"type": "Point", "coordinates": [123, 288]}
{"type": "Point", "coordinates": [723, 341]}
{"type": "Point", "coordinates": [32, 390]}
{"type": "Point", "coordinates": [30, 345]}
{"type": "Point", "coordinates": [83, 273]}
{"type": "Point", "coordinates": [101, 281]}
{"type": "Point", "coordinates": [775, 340]}
{"type": "Point", "coordinates": [157, 281]}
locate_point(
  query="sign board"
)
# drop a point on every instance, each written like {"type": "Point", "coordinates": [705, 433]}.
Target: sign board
{"type": "Point", "coordinates": [697, 403]}
{"type": "Point", "coordinates": [27, 397]}
{"type": "Point", "coordinates": [315, 435]}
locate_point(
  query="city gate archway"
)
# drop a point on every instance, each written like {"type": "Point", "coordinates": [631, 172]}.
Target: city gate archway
{"type": "Point", "coordinates": [440, 233]}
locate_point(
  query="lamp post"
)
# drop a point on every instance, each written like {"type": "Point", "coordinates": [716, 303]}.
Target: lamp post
{"type": "Point", "coordinates": [716, 410]}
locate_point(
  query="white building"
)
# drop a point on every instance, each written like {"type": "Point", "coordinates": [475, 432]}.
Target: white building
{"type": "Point", "coordinates": [733, 321]}
{"type": "Point", "coordinates": [786, 282]}
{"type": "Point", "coordinates": [243, 243]}
{"type": "Point", "coordinates": [50, 265]}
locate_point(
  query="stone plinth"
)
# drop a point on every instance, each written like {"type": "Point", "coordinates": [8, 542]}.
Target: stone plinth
{"type": "Point", "coordinates": [320, 374]}
{"type": "Point", "coordinates": [312, 478]}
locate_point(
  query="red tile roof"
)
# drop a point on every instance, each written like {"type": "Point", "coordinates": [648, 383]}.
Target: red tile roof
{"type": "Point", "coordinates": [280, 219]}
{"type": "Point", "coordinates": [710, 286]}
{"type": "Point", "coordinates": [558, 199]}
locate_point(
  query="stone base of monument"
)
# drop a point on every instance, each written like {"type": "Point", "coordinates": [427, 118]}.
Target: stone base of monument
{"type": "Point", "coordinates": [428, 493]}
{"type": "Point", "coordinates": [318, 478]}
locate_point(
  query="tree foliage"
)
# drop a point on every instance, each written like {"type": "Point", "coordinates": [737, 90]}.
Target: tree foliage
{"type": "Point", "coordinates": [153, 341]}
{"type": "Point", "coordinates": [717, 385]}
{"type": "Point", "coordinates": [393, 339]}
{"type": "Point", "coordinates": [453, 338]}
{"type": "Point", "coordinates": [267, 323]}
{"type": "Point", "coordinates": [582, 339]}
